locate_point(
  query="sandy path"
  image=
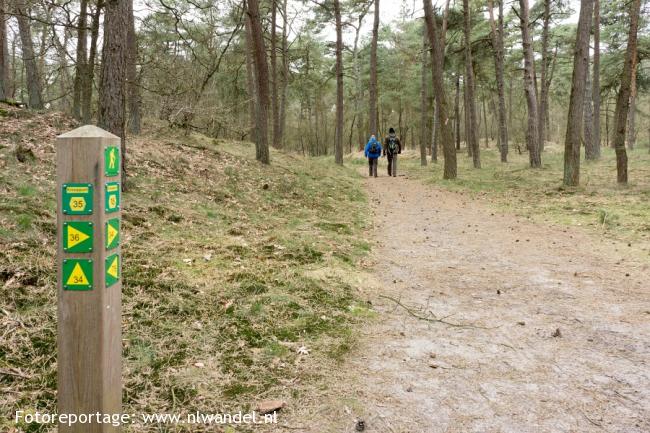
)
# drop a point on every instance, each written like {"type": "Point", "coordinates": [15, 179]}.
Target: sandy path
{"type": "Point", "coordinates": [442, 253]}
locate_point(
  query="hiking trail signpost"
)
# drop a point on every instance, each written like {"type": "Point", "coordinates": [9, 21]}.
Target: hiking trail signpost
{"type": "Point", "coordinates": [89, 277]}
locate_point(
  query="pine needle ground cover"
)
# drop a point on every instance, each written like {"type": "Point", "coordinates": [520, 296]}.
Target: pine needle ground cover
{"type": "Point", "coordinates": [239, 279]}
{"type": "Point", "coordinates": [599, 204]}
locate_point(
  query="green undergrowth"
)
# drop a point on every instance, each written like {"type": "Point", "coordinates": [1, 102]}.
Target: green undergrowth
{"type": "Point", "coordinates": [230, 269]}
{"type": "Point", "coordinates": [598, 204]}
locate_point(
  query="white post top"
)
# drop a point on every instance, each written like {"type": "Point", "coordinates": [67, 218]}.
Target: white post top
{"type": "Point", "coordinates": [88, 131]}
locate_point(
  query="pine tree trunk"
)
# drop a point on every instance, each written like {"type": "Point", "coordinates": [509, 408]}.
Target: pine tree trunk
{"type": "Point", "coordinates": [596, 84]}
{"type": "Point", "coordinates": [357, 84]}
{"type": "Point", "coordinates": [34, 89]}
{"type": "Point", "coordinates": [485, 121]}
{"type": "Point", "coordinates": [436, 134]}
{"type": "Point", "coordinates": [497, 46]}
{"type": "Point", "coordinates": [338, 140]}
{"type": "Point", "coordinates": [457, 111]}
{"type": "Point", "coordinates": [262, 78]}
{"type": "Point", "coordinates": [274, 75]}
{"type": "Point", "coordinates": [89, 74]}
{"type": "Point", "coordinates": [81, 61]}
{"type": "Point", "coordinates": [473, 142]}
{"type": "Point", "coordinates": [4, 53]}
{"type": "Point", "coordinates": [450, 168]}
{"type": "Point", "coordinates": [631, 126]}
{"type": "Point", "coordinates": [250, 76]}
{"type": "Point", "coordinates": [424, 99]}
{"type": "Point", "coordinates": [532, 133]}
{"type": "Point", "coordinates": [623, 98]}
{"type": "Point", "coordinates": [285, 74]}
{"type": "Point", "coordinates": [133, 88]}
{"type": "Point", "coordinates": [544, 88]}
{"type": "Point", "coordinates": [576, 100]}
{"type": "Point", "coordinates": [112, 89]}
{"type": "Point", "coordinates": [588, 122]}
{"type": "Point", "coordinates": [372, 104]}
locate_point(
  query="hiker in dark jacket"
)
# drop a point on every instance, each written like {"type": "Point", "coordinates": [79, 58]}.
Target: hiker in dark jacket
{"type": "Point", "coordinates": [392, 147]}
{"type": "Point", "coordinates": [373, 153]}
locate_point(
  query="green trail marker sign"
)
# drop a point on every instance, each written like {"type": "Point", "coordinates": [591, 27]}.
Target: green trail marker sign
{"type": "Point", "coordinates": [112, 196]}
{"type": "Point", "coordinates": [111, 161]}
{"type": "Point", "coordinates": [77, 198]}
{"type": "Point", "coordinates": [77, 274]}
{"type": "Point", "coordinates": [112, 274]}
{"type": "Point", "coordinates": [112, 233]}
{"type": "Point", "coordinates": [77, 236]}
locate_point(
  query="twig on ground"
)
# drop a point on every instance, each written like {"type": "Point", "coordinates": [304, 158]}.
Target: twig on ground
{"type": "Point", "coordinates": [429, 319]}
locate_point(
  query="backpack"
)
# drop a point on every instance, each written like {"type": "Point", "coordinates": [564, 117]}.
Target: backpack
{"type": "Point", "coordinates": [374, 147]}
{"type": "Point", "coordinates": [392, 144]}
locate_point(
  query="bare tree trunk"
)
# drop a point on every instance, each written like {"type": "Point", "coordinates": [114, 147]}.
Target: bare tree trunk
{"type": "Point", "coordinates": [436, 127]}
{"type": "Point", "coordinates": [497, 46]}
{"type": "Point", "coordinates": [588, 112]}
{"type": "Point", "coordinates": [34, 89]}
{"type": "Point", "coordinates": [424, 99]}
{"type": "Point", "coordinates": [457, 111]}
{"type": "Point", "coordinates": [357, 82]}
{"type": "Point", "coordinates": [262, 78]}
{"type": "Point", "coordinates": [4, 53]}
{"type": "Point", "coordinates": [466, 121]}
{"type": "Point", "coordinates": [274, 75]}
{"type": "Point", "coordinates": [81, 61]}
{"type": "Point", "coordinates": [532, 134]}
{"type": "Point", "coordinates": [472, 130]}
{"type": "Point", "coordinates": [623, 98]}
{"type": "Point", "coordinates": [576, 100]}
{"type": "Point", "coordinates": [543, 99]}
{"type": "Point", "coordinates": [450, 169]}
{"type": "Point", "coordinates": [112, 90]}
{"type": "Point", "coordinates": [372, 107]}
{"type": "Point", "coordinates": [285, 74]}
{"type": "Point", "coordinates": [485, 121]}
{"type": "Point", "coordinates": [631, 126]}
{"type": "Point", "coordinates": [132, 74]}
{"type": "Point", "coordinates": [89, 75]}
{"type": "Point", "coordinates": [338, 141]}
{"type": "Point", "coordinates": [250, 75]}
{"type": "Point", "coordinates": [595, 148]}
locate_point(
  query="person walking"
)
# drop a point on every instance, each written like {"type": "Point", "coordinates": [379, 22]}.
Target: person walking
{"type": "Point", "coordinates": [373, 153]}
{"type": "Point", "coordinates": [392, 147]}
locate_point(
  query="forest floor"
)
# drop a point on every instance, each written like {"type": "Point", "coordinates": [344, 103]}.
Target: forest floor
{"type": "Point", "coordinates": [240, 280]}
{"type": "Point", "coordinates": [492, 322]}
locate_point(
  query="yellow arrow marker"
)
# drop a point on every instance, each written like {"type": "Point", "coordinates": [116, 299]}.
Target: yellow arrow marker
{"type": "Point", "coordinates": [77, 277]}
{"type": "Point", "coordinates": [112, 232]}
{"type": "Point", "coordinates": [113, 268]}
{"type": "Point", "coordinates": [75, 237]}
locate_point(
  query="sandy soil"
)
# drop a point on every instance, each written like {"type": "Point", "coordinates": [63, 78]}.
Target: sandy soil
{"type": "Point", "coordinates": [549, 326]}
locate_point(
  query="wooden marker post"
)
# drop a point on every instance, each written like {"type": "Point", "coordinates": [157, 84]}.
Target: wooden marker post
{"type": "Point", "coordinates": [89, 277]}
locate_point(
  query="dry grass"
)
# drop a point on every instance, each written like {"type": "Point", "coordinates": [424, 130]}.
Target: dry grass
{"type": "Point", "coordinates": [229, 267]}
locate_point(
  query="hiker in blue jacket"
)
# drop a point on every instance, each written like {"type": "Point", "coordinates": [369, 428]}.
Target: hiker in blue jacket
{"type": "Point", "coordinates": [373, 153]}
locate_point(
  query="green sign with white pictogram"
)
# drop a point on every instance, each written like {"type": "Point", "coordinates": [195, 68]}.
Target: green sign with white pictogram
{"type": "Point", "coordinates": [112, 196]}
{"type": "Point", "coordinates": [112, 273]}
{"type": "Point", "coordinates": [77, 198]}
{"type": "Point", "coordinates": [112, 233]}
{"type": "Point", "coordinates": [77, 236]}
{"type": "Point", "coordinates": [111, 161]}
{"type": "Point", "coordinates": [77, 274]}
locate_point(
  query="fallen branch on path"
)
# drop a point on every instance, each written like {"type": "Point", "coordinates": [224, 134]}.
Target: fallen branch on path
{"type": "Point", "coordinates": [433, 319]}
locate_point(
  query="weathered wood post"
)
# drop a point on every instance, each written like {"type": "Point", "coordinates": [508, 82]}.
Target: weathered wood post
{"type": "Point", "coordinates": [89, 271]}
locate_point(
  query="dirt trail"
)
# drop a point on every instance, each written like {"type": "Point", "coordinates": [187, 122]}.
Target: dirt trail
{"type": "Point", "coordinates": [514, 284]}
